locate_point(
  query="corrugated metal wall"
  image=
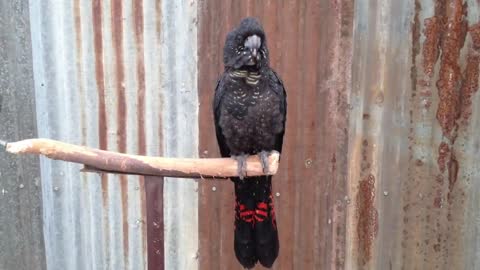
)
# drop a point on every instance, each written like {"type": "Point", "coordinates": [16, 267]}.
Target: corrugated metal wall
{"type": "Point", "coordinates": [118, 75]}
{"type": "Point", "coordinates": [379, 166]}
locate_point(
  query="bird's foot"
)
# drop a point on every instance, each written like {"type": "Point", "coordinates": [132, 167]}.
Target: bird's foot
{"type": "Point", "coordinates": [241, 165]}
{"type": "Point", "coordinates": [264, 160]}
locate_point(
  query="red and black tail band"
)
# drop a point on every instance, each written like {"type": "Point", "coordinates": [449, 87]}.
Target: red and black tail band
{"type": "Point", "coordinates": [256, 236]}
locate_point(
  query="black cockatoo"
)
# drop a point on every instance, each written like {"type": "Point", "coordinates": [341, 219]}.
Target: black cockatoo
{"type": "Point", "coordinates": [250, 113]}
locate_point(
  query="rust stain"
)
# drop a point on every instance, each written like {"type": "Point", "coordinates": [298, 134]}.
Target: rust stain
{"type": "Point", "coordinates": [470, 86]}
{"type": "Point", "coordinates": [99, 72]}
{"type": "Point", "coordinates": [426, 92]}
{"type": "Point", "coordinates": [124, 198]}
{"type": "Point", "coordinates": [79, 57]}
{"type": "Point", "coordinates": [367, 226]}
{"type": "Point", "coordinates": [471, 74]}
{"type": "Point", "coordinates": [365, 143]}
{"type": "Point", "coordinates": [344, 20]}
{"type": "Point", "coordinates": [437, 202]}
{"type": "Point", "coordinates": [452, 174]}
{"type": "Point", "coordinates": [456, 91]}
{"type": "Point", "coordinates": [155, 222]}
{"type": "Point", "coordinates": [102, 114]}
{"type": "Point", "coordinates": [158, 28]}
{"type": "Point", "coordinates": [419, 162]}
{"type": "Point", "coordinates": [100, 81]}
{"type": "Point", "coordinates": [455, 29]}
{"type": "Point", "coordinates": [432, 34]}
{"type": "Point", "coordinates": [427, 104]}
{"type": "Point", "coordinates": [439, 179]}
{"type": "Point", "coordinates": [475, 34]}
{"type": "Point", "coordinates": [117, 39]}
{"type": "Point", "coordinates": [415, 53]}
{"type": "Point", "coordinates": [158, 19]}
{"type": "Point", "coordinates": [137, 7]}
{"type": "Point", "coordinates": [144, 208]}
{"type": "Point", "coordinates": [414, 81]}
{"type": "Point", "coordinates": [443, 155]}
{"type": "Point", "coordinates": [445, 35]}
{"type": "Point", "coordinates": [139, 39]}
{"type": "Point", "coordinates": [365, 162]}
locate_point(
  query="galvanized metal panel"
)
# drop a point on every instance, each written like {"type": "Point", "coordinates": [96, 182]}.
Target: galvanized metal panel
{"type": "Point", "coordinates": [21, 234]}
{"type": "Point", "coordinates": [103, 78]}
{"type": "Point", "coordinates": [90, 222]}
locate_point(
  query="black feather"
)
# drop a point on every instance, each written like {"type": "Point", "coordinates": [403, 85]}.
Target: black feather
{"type": "Point", "coordinates": [250, 113]}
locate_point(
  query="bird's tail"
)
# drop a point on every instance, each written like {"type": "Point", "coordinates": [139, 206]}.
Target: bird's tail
{"type": "Point", "coordinates": [256, 235]}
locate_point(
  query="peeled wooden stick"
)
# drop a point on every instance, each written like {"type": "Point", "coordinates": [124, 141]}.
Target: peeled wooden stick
{"type": "Point", "coordinates": [113, 162]}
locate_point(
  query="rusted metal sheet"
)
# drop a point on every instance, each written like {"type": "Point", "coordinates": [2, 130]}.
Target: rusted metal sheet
{"type": "Point", "coordinates": [379, 166]}
{"type": "Point", "coordinates": [114, 75]}
{"type": "Point", "coordinates": [310, 45]}
{"type": "Point", "coordinates": [412, 136]}
{"type": "Point", "coordinates": [442, 181]}
{"type": "Point", "coordinates": [413, 141]}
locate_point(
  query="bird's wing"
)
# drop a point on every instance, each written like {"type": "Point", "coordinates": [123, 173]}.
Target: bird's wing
{"type": "Point", "coordinates": [219, 91]}
{"type": "Point", "coordinates": [276, 85]}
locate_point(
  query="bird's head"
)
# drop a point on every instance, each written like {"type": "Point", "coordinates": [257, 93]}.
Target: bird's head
{"type": "Point", "coordinates": [246, 46]}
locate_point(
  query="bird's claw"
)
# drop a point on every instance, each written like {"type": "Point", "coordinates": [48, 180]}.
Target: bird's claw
{"type": "Point", "coordinates": [241, 165]}
{"type": "Point", "coordinates": [264, 160]}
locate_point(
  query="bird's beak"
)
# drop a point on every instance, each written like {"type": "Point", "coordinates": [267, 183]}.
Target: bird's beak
{"type": "Point", "coordinates": [254, 52]}
{"type": "Point", "coordinates": [253, 43]}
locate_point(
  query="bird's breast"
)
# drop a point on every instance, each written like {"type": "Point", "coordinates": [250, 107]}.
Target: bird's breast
{"type": "Point", "coordinates": [250, 116]}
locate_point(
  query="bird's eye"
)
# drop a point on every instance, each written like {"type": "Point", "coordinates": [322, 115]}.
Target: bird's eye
{"type": "Point", "coordinates": [239, 49]}
{"type": "Point", "coordinates": [263, 52]}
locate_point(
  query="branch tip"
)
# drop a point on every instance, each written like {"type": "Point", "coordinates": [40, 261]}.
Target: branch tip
{"type": "Point", "coordinates": [3, 143]}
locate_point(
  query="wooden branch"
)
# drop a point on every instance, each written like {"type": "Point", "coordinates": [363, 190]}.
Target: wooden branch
{"type": "Point", "coordinates": [97, 160]}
